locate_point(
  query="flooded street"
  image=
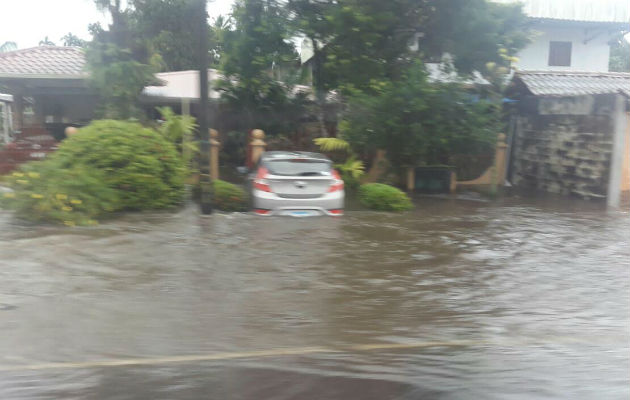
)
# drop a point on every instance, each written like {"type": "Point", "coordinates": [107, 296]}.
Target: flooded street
{"type": "Point", "coordinates": [455, 300]}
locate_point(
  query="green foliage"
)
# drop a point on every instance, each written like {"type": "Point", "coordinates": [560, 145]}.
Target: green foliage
{"type": "Point", "coordinates": [259, 62]}
{"type": "Point", "coordinates": [356, 42]}
{"type": "Point", "coordinates": [108, 166]}
{"type": "Point", "coordinates": [228, 197]}
{"type": "Point", "coordinates": [46, 42]}
{"type": "Point", "coordinates": [179, 130]}
{"type": "Point", "coordinates": [69, 39]}
{"type": "Point", "coordinates": [378, 196]}
{"type": "Point", "coordinates": [332, 144]}
{"type": "Point", "coordinates": [168, 27]}
{"type": "Point", "coordinates": [139, 163]}
{"type": "Point", "coordinates": [259, 42]}
{"type": "Point", "coordinates": [417, 122]}
{"type": "Point", "coordinates": [44, 191]}
{"type": "Point", "coordinates": [121, 63]}
{"type": "Point", "coordinates": [8, 46]}
{"type": "Point", "coordinates": [620, 56]}
{"type": "Point", "coordinates": [472, 31]}
{"type": "Point", "coordinates": [119, 79]}
{"type": "Point", "coordinates": [350, 168]}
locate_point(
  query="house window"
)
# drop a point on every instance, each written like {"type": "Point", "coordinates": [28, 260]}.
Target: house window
{"type": "Point", "coordinates": [559, 54]}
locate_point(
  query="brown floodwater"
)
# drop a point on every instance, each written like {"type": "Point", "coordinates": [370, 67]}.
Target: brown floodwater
{"type": "Point", "coordinates": [459, 299]}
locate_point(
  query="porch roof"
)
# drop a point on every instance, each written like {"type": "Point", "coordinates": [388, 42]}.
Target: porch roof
{"type": "Point", "coordinates": [553, 83]}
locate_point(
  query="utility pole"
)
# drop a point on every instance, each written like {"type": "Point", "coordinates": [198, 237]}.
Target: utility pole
{"type": "Point", "coordinates": [202, 120]}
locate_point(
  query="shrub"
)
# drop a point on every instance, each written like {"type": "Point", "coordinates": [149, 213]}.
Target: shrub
{"type": "Point", "coordinates": [45, 192]}
{"type": "Point", "coordinates": [109, 166]}
{"type": "Point", "coordinates": [141, 165]}
{"type": "Point", "coordinates": [229, 197]}
{"type": "Point", "coordinates": [378, 196]}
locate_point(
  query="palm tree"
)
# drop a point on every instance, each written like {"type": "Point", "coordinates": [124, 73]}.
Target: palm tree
{"type": "Point", "coordinates": [46, 42]}
{"type": "Point", "coordinates": [8, 46]}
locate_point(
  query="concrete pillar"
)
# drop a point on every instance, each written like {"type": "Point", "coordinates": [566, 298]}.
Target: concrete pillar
{"type": "Point", "coordinates": [500, 160]}
{"type": "Point", "coordinates": [411, 179]}
{"type": "Point", "coordinates": [71, 131]}
{"type": "Point", "coordinates": [4, 112]}
{"type": "Point", "coordinates": [613, 197]}
{"type": "Point", "coordinates": [258, 144]}
{"type": "Point", "coordinates": [625, 166]}
{"type": "Point", "coordinates": [19, 111]}
{"type": "Point", "coordinates": [453, 185]}
{"type": "Point", "coordinates": [38, 108]}
{"type": "Point", "coordinates": [185, 106]}
{"type": "Point", "coordinates": [214, 154]}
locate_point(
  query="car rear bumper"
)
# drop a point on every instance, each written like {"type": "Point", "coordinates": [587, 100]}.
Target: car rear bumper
{"type": "Point", "coordinates": [277, 205]}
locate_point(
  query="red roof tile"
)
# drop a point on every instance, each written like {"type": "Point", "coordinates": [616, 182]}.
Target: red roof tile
{"type": "Point", "coordinates": [45, 61]}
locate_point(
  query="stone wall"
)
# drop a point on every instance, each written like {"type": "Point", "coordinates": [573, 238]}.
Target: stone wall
{"type": "Point", "coordinates": [564, 145]}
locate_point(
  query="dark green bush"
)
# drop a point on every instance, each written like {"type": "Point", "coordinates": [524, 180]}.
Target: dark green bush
{"type": "Point", "coordinates": [229, 197]}
{"type": "Point", "coordinates": [139, 163]}
{"type": "Point", "coordinates": [109, 166]}
{"type": "Point", "coordinates": [45, 192]}
{"type": "Point", "coordinates": [378, 196]}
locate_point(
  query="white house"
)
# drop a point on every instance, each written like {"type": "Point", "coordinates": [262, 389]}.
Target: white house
{"type": "Point", "coordinates": [572, 35]}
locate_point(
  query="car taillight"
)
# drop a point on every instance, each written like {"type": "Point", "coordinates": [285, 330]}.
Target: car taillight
{"type": "Point", "coordinates": [260, 182]}
{"type": "Point", "coordinates": [337, 211]}
{"type": "Point", "coordinates": [260, 211]}
{"type": "Point", "coordinates": [337, 183]}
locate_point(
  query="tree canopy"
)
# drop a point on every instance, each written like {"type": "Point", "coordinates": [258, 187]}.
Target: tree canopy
{"type": "Point", "coordinates": [417, 121]}
{"type": "Point", "coordinates": [70, 39]}
{"type": "Point", "coordinates": [620, 56]}
{"type": "Point", "coordinates": [258, 60]}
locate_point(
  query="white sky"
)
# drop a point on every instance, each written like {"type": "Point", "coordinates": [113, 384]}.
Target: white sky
{"type": "Point", "coordinates": [26, 22]}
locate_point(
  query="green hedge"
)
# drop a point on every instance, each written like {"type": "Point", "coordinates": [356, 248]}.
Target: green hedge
{"type": "Point", "coordinates": [378, 196]}
{"type": "Point", "coordinates": [108, 166]}
{"type": "Point", "coordinates": [229, 197]}
{"type": "Point", "coordinates": [143, 166]}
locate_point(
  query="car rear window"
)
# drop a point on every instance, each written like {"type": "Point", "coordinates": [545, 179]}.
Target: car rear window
{"type": "Point", "coordinates": [299, 167]}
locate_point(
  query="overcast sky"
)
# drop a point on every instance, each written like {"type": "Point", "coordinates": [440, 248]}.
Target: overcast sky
{"type": "Point", "coordinates": [26, 22]}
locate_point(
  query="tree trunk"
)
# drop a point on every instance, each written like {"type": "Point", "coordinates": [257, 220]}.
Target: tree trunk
{"type": "Point", "coordinates": [320, 91]}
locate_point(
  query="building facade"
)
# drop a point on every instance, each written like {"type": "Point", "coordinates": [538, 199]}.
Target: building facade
{"type": "Point", "coordinates": [572, 35]}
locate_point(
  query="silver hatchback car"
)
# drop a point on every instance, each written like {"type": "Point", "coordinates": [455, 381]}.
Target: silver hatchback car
{"type": "Point", "coordinates": [298, 184]}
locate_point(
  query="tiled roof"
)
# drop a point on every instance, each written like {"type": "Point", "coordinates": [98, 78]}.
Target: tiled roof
{"type": "Point", "coordinates": [43, 61]}
{"type": "Point", "coordinates": [549, 83]}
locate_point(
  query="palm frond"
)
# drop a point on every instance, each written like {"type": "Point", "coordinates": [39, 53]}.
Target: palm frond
{"type": "Point", "coordinates": [332, 144]}
{"type": "Point", "coordinates": [352, 167]}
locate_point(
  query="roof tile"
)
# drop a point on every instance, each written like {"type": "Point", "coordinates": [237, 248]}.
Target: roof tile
{"type": "Point", "coordinates": [44, 60]}
{"type": "Point", "coordinates": [551, 83]}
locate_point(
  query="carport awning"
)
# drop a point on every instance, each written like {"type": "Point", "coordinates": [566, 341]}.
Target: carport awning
{"type": "Point", "coordinates": [550, 83]}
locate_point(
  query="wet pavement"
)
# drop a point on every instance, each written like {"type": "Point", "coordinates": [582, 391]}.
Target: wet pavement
{"type": "Point", "coordinates": [456, 300]}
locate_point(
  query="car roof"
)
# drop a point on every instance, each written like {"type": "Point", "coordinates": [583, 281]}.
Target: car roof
{"type": "Point", "coordinates": [284, 155]}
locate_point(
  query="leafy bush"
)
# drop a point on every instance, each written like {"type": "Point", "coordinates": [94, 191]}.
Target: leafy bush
{"type": "Point", "coordinates": [141, 165]}
{"type": "Point", "coordinates": [378, 196]}
{"type": "Point", "coordinates": [109, 166]}
{"type": "Point", "coordinates": [229, 197]}
{"type": "Point", "coordinates": [179, 130]}
{"type": "Point", "coordinates": [346, 161]}
{"type": "Point", "coordinates": [45, 192]}
{"type": "Point", "coordinates": [419, 122]}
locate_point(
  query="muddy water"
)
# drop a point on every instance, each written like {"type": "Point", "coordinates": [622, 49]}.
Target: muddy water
{"type": "Point", "coordinates": [456, 300]}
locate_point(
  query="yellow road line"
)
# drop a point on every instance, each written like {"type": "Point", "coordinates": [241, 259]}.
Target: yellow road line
{"type": "Point", "coordinates": [268, 353]}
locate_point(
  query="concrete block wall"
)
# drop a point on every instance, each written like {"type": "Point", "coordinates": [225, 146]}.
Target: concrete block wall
{"type": "Point", "coordinates": [564, 145]}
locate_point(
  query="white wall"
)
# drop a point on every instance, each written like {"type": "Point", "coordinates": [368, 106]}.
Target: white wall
{"type": "Point", "coordinates": [587, 57]}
